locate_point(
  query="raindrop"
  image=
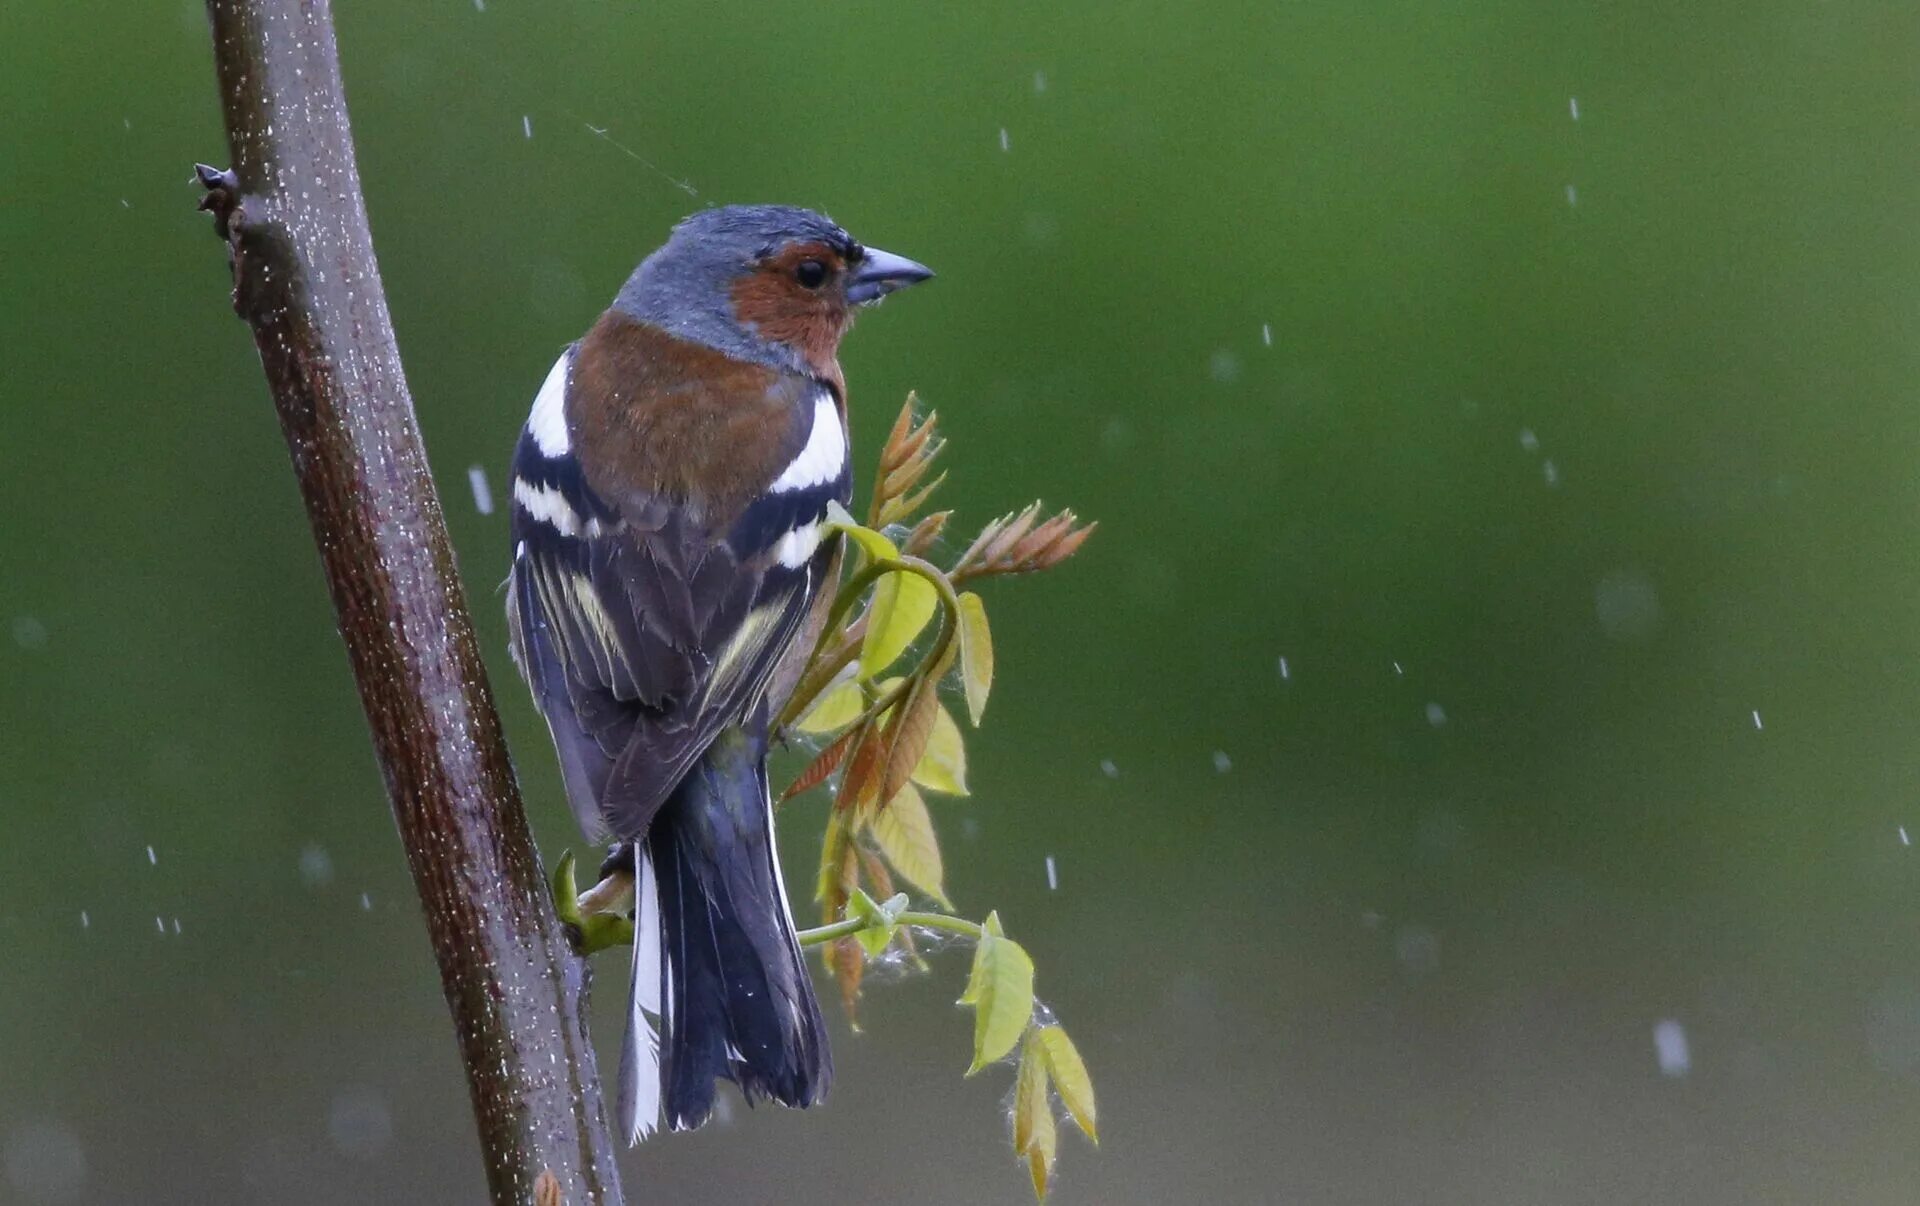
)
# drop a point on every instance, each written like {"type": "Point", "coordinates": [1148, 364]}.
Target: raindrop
{"type": "Point", "coordinates": [29, 633]}
{"type": "Point", "coordinates": [1039, 81]}
{"type": "Point", "coordinates": [1108, 769]}
{"type": "Point", "coordinates": [45, 1162]}
{"type": "Point", "coordinates": [1417, 949]}
{"type": "Point", "coordinates": [153, 860]}
{"type": "Point", "coordinates": [1436, 715]}
{"type": "Point", "coordinates": [1005, 145]}
{"type": "Point", "coordinates": [1756, 720]}
{"type": "Point", "coordinates": [1904, 841]}
{"type": "Point", "coordinates": [1573, 107]}
{"type": "Point", "coordinates": [1573, 198]}
{"type": "Point", "coordinates": [159, 924]}
{"type": "Point", "coordinates": [176, 925]}
{"type": "Point", "coordinates": [359, 1122]}
{"type": "Point", "coordinates": [482, 492]}
{"type": "Point", "coordinates": [1670, 1047]}
{"type": "Point", "coordinates": [1528, 440]}
{"type": "Point", "coordinates": [1221, 763]}
{"type": "Point", "coordinates": [1398, 672]}
{"type": "Point", "coordinates": [1224, 366]}
{"type": "Point", "coordinates": [86, 922]}
{"type": "Point", "coordinates": [1550, 473]}
{"type": "Point", "coordinates": [1266, 333]}
{"type": "Point", "coordinates": [1053, 875]}
{"type": "Point", "coordinates": [1283, 670]}
{"type": "Point", "coordinates": [1627, 605]}
{"type": "Point", "coordinates": [316, 866]}
{"type": "Point", "coordinates": [366, 903]}
{"type": "Point", "coordinates": [526, 124]}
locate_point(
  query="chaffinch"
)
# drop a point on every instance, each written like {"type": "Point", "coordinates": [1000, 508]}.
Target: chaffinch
{"type": "Point", "coordinates": [669, 494]}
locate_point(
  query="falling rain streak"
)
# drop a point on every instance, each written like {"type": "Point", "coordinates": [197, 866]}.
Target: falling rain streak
{"type": "Point", "coordinates": [482, 492]}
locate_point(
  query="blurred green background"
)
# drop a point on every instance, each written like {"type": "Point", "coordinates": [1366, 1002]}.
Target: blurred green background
{"type": "Point", "coordinates": [1537, 381]}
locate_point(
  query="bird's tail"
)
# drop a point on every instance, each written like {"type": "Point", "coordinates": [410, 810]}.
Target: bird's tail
{"type": "Point", "coordinates": [716, 960]}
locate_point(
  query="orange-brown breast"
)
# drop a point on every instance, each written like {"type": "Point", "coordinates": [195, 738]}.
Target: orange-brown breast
{"type": "Point", "coordinates": [678, 420]}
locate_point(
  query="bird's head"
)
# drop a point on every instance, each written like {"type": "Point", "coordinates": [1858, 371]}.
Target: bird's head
{"type": "Point", "coordinates": [770, 283]}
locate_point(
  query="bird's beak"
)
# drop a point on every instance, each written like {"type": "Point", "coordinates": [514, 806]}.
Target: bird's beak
{"type": "Point", "coordinates": [880, 273]}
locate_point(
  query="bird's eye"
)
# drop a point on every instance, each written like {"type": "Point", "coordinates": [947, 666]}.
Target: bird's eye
{"type": "Point", "coordinates": [811, 273]}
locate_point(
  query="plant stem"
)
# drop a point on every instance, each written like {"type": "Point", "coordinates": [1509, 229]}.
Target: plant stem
{"type": "Point", "coordinates": [306, 282]}
{"type": "Point", "coordinates": [850, 926]}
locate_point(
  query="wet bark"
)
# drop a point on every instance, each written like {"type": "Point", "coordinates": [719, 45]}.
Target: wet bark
{"type": "Point", "coordinates": [306, 282]}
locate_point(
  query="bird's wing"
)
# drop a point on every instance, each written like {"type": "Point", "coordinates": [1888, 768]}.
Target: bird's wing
{"type": "Point", "coordinates": [642, 632]}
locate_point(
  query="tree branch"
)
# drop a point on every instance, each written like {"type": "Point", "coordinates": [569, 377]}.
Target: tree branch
{"type": "Point", "coordinates": [306, 281]}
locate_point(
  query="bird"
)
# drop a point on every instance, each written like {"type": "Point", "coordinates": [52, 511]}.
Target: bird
{"type": "Point", "coordinates": [672, 565]}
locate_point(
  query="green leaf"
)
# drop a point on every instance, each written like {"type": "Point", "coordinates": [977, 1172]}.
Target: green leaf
{"type": "Point", "coordinates": [837, 708]}
{"type": "Point", "coordinates": [876, 546]}
{"type": "Point", "coordinates": [990, 928]}
{"type": "Point", "coordinates": [903, 602]}
{"type": "Point", "coordinates": [879, 923]}
{"type": "Point", "coordinates": [905, 834]}
{"type": "Point", "coordinates": [590, 933]}
{"type": "Point", "coordinates": [1029, 1092]}
{"type": "Point", "coordinates": [1001, 988]}
{"type": "Point", "coordinates": [943, 768]}
{"type": "Point", "coordinates": [1069, 1076]}
{"type": "Point", "coordinates": [565, 890]}
{"type": "Point", "coordinates": [1040, 1167]}
{"type": "Point", "coordinates": [598, 931]}
{"type": "Point", "coordinates": [1034, 1135]}
{"type": "Point", "coordinates": [976, 654]}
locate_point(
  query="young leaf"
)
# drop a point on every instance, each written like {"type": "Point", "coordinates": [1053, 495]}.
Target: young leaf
{"type": "Point", "coordinates": [1069, 1076]}
{"type": "Point", "coordinates": [925, 533]}
{"type": "Point", "coordinates": [849, 964]}
{"type": "Point", "coordinates": [890, 454]}
{"type": "Point", "coordinates": [1029, 1092]}
{"type": "Point", "coordinates": [834, 710]}
{"type": "Point", "coordinates": [902, 604]}
{"type": "Point", "coordinates": [879, 922]}
{"type": "Point", "coordinates": [1033, 1130]}
{"type": "Point", "coordinates": [976, 655]}
{"type": "Point", "coordinates": [1040, 1163]}
{"type": "Point", "coordinates": [909, 734]}
{"type": "Point", "coordinates": [872, 543]}
{"type": "Point", "coordinates": [905, 834]}
{"type": "Point", "coordinates": [990, 928]}
{"type": "Point", "coordinates": [943, 768]}
{"type": "Point", "coordinates": [875, 869]}
{"type": "Point", "coordinates": [831, 886]}
{"type": "Point", "coordinates": [823, 765]}
{"type": "Point", "coordinates": [862, 780]}
{"type": "Point", "coordinates": [1002, 989]}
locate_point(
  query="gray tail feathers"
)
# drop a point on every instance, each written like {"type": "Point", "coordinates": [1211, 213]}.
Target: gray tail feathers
{"type": "Point", "coordinates": [715, 957]}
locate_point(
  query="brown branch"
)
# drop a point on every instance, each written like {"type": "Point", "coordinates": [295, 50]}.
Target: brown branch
{"type": "Point", "coordinates": [306, 281]}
